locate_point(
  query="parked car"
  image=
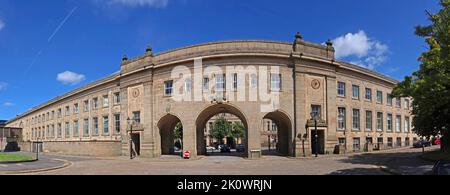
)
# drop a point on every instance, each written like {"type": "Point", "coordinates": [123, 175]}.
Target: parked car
{"type": "Point", "coordinates": [225, 148]}
{"type": "Point", "coordinates": [210, 148]}
{"type": "Point", "coordinates": [437, 142]}
{"type": "Point", "coordinates": [240, 148]}
{"type": "Point", "coordinates": [422, 143]}
{"type": "Point", "coordinates": [441, 168]}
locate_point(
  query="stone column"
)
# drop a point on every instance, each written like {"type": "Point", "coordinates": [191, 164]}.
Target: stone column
{"type": "Point", "coordinates": [331, 92]}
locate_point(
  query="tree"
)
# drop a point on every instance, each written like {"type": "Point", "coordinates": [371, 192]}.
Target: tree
{"type": "Point", "coordinates": [429, 87]}
{"type": "Point", "coordinates": [178, 135]}
{"type": "Point", "coordinates": [221, 129]}
{"type": "Point", "coordinates": [238, 130]}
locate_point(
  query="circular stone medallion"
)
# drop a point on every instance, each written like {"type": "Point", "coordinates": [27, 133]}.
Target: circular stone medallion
{"type": "Point", "coordinates": [315, 84]}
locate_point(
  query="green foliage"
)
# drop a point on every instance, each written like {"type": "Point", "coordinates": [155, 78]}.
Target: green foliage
{"type": "Point", "coordinates": [6, 157]}
{"type": "Point", "coordinates": [238, 130]}
{"type": "Point", "coordinates": [221, 129]}
{"type": "Point", "coordinates": [429, 86]}
{"type": "Point", "coordinates": [178, 131]}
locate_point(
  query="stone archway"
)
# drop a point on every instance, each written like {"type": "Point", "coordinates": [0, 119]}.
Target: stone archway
{"type": "Point", "coordinates": [207, 114]}
{"type": "Point", "coordinates": [284, 132]}
{"type": "Point", "coordinates": [166, 126]}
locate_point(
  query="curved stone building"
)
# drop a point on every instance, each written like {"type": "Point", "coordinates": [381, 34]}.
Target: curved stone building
{"type": "Point", "coordinates": [252, 80]}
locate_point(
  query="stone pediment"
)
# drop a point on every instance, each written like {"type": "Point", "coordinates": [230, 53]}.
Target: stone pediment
{"type": "Point", "coordinates": [320, 123]}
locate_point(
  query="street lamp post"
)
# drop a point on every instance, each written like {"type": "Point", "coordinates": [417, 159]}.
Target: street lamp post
{"type": "Point", "coordinates": [314, 116]}
{"type": "Point", "coordinates": [130, 123]}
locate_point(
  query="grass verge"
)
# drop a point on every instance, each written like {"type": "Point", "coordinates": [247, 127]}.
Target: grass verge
{"type": "Point", "coordinates": [5, 157]}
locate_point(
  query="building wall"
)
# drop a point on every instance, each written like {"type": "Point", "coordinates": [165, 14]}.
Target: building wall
{"type": "Point", "coordinates": [140, 84]}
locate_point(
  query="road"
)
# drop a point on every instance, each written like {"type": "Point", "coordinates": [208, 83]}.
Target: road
{"type": "Point", "coordinates": [398, 161]}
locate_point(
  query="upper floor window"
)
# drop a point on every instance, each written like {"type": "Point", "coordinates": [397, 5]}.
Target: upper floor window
{"type": "Point", "coordinates": [316, 110]}
{"type": "Point", "coordinates": [117, 98]}
{"type": "Point", "coordinates": [355, 92]}
{"type": "Point", "coordinates": [368, 94]}
{"type": "Point", "coordinates": [407, 126]}
{"type": "Point", "coordinates": [406, 104]}
{"type": "Point", "coordinates": [205, 84]}
{"type": "Point", "coordinates": [220, 82]}
{"type": "Point", "coordinates": [275, 82]}
{"type": "Point", "coordinates": [137, 116]}
{"type": "Point", "coordinates": [95, 103]}
{"type": "Point", "coordinates": [75, 108]}
{"type": "Point", "coordinates": [59, 113]}
{"type": "Point", "coordinates": [398, 102]}
{"type": "Point", "coordinates": [341, 89]}
{"type": "Point", "coordinates": [341, 118]}
{"type": "Point", "coordinates": [389, 122]}
{"type": "Point", "coordinates": [398, 123]}
{"type": "Point", "coordinates": [117, 123]}
{"type": "Point", "coordinates": [389, 99]}
{"type": "Point", "coordinates": [105, 125]}
{"type": "Point", "coordinates": [356, 119]}
{"type": "Point", "coordinates": [379, 97]}
{"type": "Point", "coordinates": [187, 85]}
{"type": "Point", "coordinates": [105, 101]}
{"type": "Point", "coordinates": [379, 121]}
{"type": "Point", "coordinates": [235, 81]}
{"type": "Point", "coordinates": [368, 120]}
{"type": "Point", "coordinates": [86, 105]}
{"type": "Point", "coordinates": [168, 88]}
{"type": "Point", "coordinates": [254, 81]}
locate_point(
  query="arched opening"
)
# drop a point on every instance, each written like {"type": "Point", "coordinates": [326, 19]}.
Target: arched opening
{"type": "Point", "coordinates": [277, 134]}
{"type": "Point", "coordinates": [208, 144]}
{"type": "Point", "coordinates": [171, 132]}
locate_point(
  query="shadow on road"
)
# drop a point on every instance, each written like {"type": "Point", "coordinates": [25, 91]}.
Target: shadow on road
{"type": "Point", "coordinates": [405, 162]}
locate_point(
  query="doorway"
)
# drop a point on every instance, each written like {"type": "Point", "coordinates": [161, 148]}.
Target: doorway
{"type": "Point", "coordinates": [320, 141]}
{"type": "Point", "coordinates": [136, 139]}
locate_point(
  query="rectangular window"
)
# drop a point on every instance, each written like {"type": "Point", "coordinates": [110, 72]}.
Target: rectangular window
{"type": "Point", "coordinates": [67, 129]}
{"type": "Point", "coordinates": [368, 120]}
{"type": "Point", "coordinates": [220, 82]}
{"type": "Point", "coordinates": [137, 117]}
{"type": "Point", "coordinates": [398, 102]}
{"type": "Point", "coordinates": [398, 123]}
{"type": "Point", "coordinates": [168, 88]}
{"type": "Point", "coordinates": [67, 110]}
{"type": "Point", "coordinates": [407, 141]}
{"type": "Point", "coordinates": [254, 81]}
{"type": "Point", "coordinates": [389, 122]}
{"type": "Point", "coordinates": [59, 113]}
{"type": "Point", "coordinates": [380, 142]}
{"type": "Point", "coordinates": [105, 101]}
{"type": "Point", "coordinates": [341, 118]}
{"type": "Point", "coordinates": [117, 123]}
{"type": "Point", "coordinates": [406, 104]}
{"type": "Point", "coordinates": [390, 143]}
{"type": "Point", "coordinates": [389, 100]}
{"type": "Point", "coordinates": [105, 125]}
{"type": "Point", "coordinates": [275, 82]}
{"type": "Point", "coordinates": [379, 97]}
{"type": "Point", "coordinates": [341, 89]}
{"type": "Point", "coordinates": [399, 142]}
{"type": "Point", "coordinates": [59, 130]}
{"type": "Point", "coordinates": [316, 109]}
{"type": "Point", "coordinates": [206, 84]}
{"type": "Point", "coordinates": [342, 141]}
{"type": "Point", "coordinates": [75, 108]}
{"type": "Point", "coordinates": [407, 128]}
{"type": "Point", "coordinates": [75, 128]}
{"type": "Point", "coordinates": [117, 98]}
{"type": "Point", "coordinates": [356, 144]}
{"type": "Point", "coordinates": [379, 121]}
{"type": "Point", "coordinates": [86, 106]}
{"type": "Point", "coordinates": [95, 103]}
{"type": "Point", "coordinates": [187, 85]}
{"type": "Point", "coordinates": [355, 92]}
{"type": "Point", "coordinates": [368, 94]}
{"type": "Point", "coordinates": [235, 81]}
{"type": "Point", "coordinates": [86, 127]}
{"type": "Point", "coordinates": [356, 119]}
{"type": "Point", "coordinates": [53, 114]}
{"type": "Point", "coordinates": [53, 131]}
{"type": "Point", "coordinates": [95, 126]}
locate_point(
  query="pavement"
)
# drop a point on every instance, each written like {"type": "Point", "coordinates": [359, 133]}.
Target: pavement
{"type": "Point", "coordinates": [404, 161]}
{"type": "Point", "coordinates": [44, 163]}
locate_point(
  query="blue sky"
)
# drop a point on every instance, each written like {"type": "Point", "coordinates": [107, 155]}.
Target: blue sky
{"type": "Point", "coordinates": [49, 47]}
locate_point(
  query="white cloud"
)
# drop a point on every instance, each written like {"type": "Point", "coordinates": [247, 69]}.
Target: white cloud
{"type": "Point", "coordinates": [2, 24]}
{"type": "Point", "coordinates": [8, 104]}
{"type": "Point", "coordinates": [3, 85]}
{"type": "Point", "coordinates": [148, 3]}
{"type": "Point", "coordinates": [362, 50]}
{"type": "Point", "coordinates": [70, 78]}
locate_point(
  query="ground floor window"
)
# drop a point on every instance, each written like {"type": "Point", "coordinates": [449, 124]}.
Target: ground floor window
{"type": "Point", "coordinates": [342, 141]}
{"type": "Point", "coordinates": [379, 143]}
{"type": "Point", "coordinates": [389, 142]}
{"type": "Point", "coordinates": [356, 144]}
{"type": "Point", "coordinates": [399, 142]}
{"type": "Point", "coordinates": [407, 141]}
